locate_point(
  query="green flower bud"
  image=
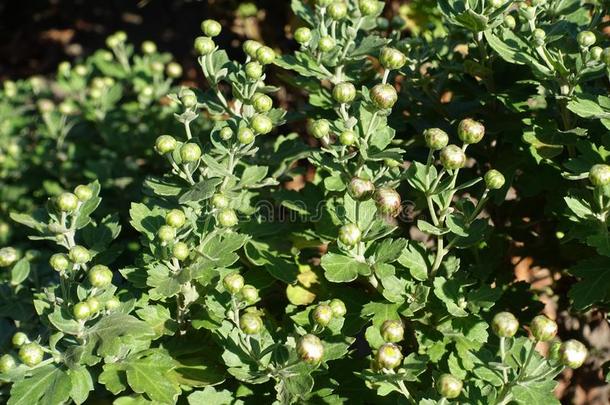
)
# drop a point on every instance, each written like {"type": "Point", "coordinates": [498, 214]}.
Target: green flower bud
{"type": "Point", "coordinates": [337, 10]}
{"type": "Point", "coordinates": [254, 70]}
{"type": "Point", "coordinates": [67, 202]}
{"type": "Point", "coordinates": [388, 202]}
{"type": "Point", "coordinates": [83, 192]}
{"type": "Point", "coordinates": [585, 39]}
{"type": "Point", "coordinates": [81, 311]}
{"type": "Point", "coordinates": [249, 294]}
{"type": "Point", "coordinates": [347, 137]}
{"type": "Point", "coordinates": [31, 354]}
{"type": "Point", "coordinates": [265, 55]}
{"type": "Point", "coordinates": [319, 128]}
{"type": "Point", "coordinates": [384, 96]}
{"type": "Point", "coordinates": [211, 28]}
{"type": "Point", "coordinates": [382, 23]}
{"type": "Point", "coordinates": [250, 323]}
{"type": "Point", "coordinates": [188, 98]}
{"type": "Point", "coordinates": [112, 303]}
{"type": "Point", "coordinates": [250, 47]}
{"type": "Point", "coordinates": [220, 201]}
{"type": "Point", "coordinates": [302, 35]}
{"type": "Point", "coordinates": [322, 314]}
{"type": "Point", "coordinates": [543, 329]}
{"type": "Point", "coordinates": [391, 163]}
{"type": "Point", "coordinates": [344, 93]}
{"type": "Point", "coordinates": [449, 386]}
{"type": "Point", "coordinates": [392, 59]}
{"type": "Point", "coordinates": [510, 22]}
{"type": "Point", "coordinates": [227, 218]}
{"type": "Point", "coordinates": [79, 254]}
{"type": "Point", "coordinates": [226, 133]}
{"type": "Point", "coordinates": [389, 356]}
{"type": "Point", "coordinates": [261, 124]}
{"type": "Point", "coordinates": [67, 108]}
{"type": "Point", "coordinates": [175, 218]}
{"type": "Point", "coordinates": [360, 189]}
{"type": "Point", "coordinates": [453, 157]}
{"type": "Point", "coordinates": [59, 262]}
{"type": "Point", "coordinates": [245, 135]}
{"type": "Point", "coordinates": [100, 276]}
{"type": "Point", "coordinates": [233, 283]}
{"type": "Point", "coordinates": [496, 3]}
{"type": "Point", "coordinates": [494, 180]}
{"type": "Point", "coordinates": [398, 23]}
{"type": "Point", "coordinates": [324, 3]}
{"type": "Point", "coordinates": [148, 47]}
{"type": "Point", "coordinates": [310, 349]}
{"type": "Point", "coordinates": [572, 353]}
{"type": "Point", "coordinates": [326, 43]}
{"type": "Point", "coordinates": [338, 307]}
{"type": "Point", "coordinates": [8, 256]}
{"type": "Point", "coordinates": [596, 53]}
{"type": "Point", "coordinates": [367, 7]}
{"type": "Point", "coordinates": [157, 67]}
{"type": "Point", "coordinates": [204, 45]}
{"type": "Point", "coordinates": [166, 233]}
{"type": "Point", "coordinates": [7, 363]}
{"type": "Point", "coordinates": [606, 56]}
{"type": "Point", "coordinates": [504, 324]}
{"type": "Point", "coordinates": [80, 70]}
{"type": "Point", "coordinates": [470, 131]}
{"type": "Point", "coordinates": [350, 234]}
{"type": "Point", "coordinates": [180, 251]}
{"type": "Point", "coordinates": [45, 105]}
{"type": "Point", "coordinates": [19, 339]}
{"type": "Point", "coordinates": [190, 152]}
{"type": "Point", "coordinates": [539, 36]}
{"type": "Point", "coordinates": [436, 138]}
{"type": "Point", "coordinates": [165, 144]}
{"type": "Point", "coordinates": [554, 350]}
{"type": "Point", "coordinates": [599, 175]}
{"type": "Point", "coordinates": [392, 331]}
{"type": "Point", "coordinates": [262, 103]}
{"type": "Point", "coordinates": [173, 70]}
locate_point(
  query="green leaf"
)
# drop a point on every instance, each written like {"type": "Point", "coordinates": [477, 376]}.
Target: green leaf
{"type": "Point", "coordinates": [535, 393]}
{"type": "Point", "coordinates": [47, 385]}
{"type": "Point", "coordinates": [252, 175]}
{"type": "Point", "coordinates": [211, 396]}
{"type": "Point", "coordinates": [448, 291]}
{"type": "Point", "coordinates": [594, 282]}
{"type": "Point", "coordinates": [148, 374]}
{"type": "Point", "coordinates": [389, 250]}
{"type": "Point", "coordinates": [342, 269]}
{"type": "Point", "coordinates": [200, 191]}
{"type": "Point", "coordinates": [414, 258]}
{"type": "Point", "coordinates": [20, 271]}
{"type": "Point", "coordinates": [146, 220]}
{"type": "Point", "coordinates": [159, 318]}
{"type": "Point", "coordinates": [82, 384]}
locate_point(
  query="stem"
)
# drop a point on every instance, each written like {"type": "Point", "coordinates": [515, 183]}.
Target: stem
{"type": "Point", "coordinates": [503, 357]}
{"type": "Point", "coordinates": [440, 250]}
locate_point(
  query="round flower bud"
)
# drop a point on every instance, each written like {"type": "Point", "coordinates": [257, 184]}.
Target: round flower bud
{"type": "Point", "coordinates": [392, 331]}
{"type": "Point", "coordinates": [338, 307]}
{"type": "Point", "coordinates": [585, 38]}
{"type": "Point", "coordinates": [173, 70]}
{"type": "Point", "coordinates": [261, 124]}
{"type": "Point", "coordinates": [572, 353]}
{"type": "Point", "coordinates": [226, 133]}
{"type": "Point", "coordinates": [80, 70]}
{"type": "Point", "coordinates": [112, 303]}
{"type": "Point", "coordinates": [227, 218]}
{"type": "Point", "coordinates": [262, 103]}
{"type": "Point", "coordinates": [392, 59]}
{"type": "Point", "coordinates": [67, 108]}
{"type": "Point", "coordinates": [384, 96]}
{"type": "Point", "coordinates": [382, 23]}
{"type": "Point", "coordinates": [504, 324]}
{"type": "Point", "coordinates": [204, 45]}
{"type": "Point", "coordinates": [470, 131]}
{"type": "Point", "coordinates": [496, 3]}
{"type": "Point", "coordinates": [81, 311]}
{"type": "Point", "coordinates": [389, 356]}
{"type": "Point", "coordinates": [8, 256]}
{"type": "Point", "coordinates": [233, 283]}
{"type": "Point", "coordinates": [436, 138]}
{"type": "Point", "coordinates": [180, 251]}
{"type": "Point", "coordinates": [83, 192]}
{"type": "Point", "coordinates": [494, 180]}
{"type": "Point", "coordinates": [596, 53]}
{"type": "Point", "coordinates": [211, 28]}
{"type": "Point", "coordinates": [453, 157]}
{"type": "Point", "coordinates": [310, 349]}
{"type": "Point", "coordinates": [190, 152]}
{"type": "Point", "coordinates": [360, 189]}
{"type": "Point", "coordinates": [347, 137]}
{"type": "Point", "coordinates": [322, 314]}
{"type": "Point", "coordinates": [59, 262]}
{"type": "Point", "coordinates": [245, 135]}
{"type": "Point", "coordinates": [175, 218]}
{"type": "Point", "coordinates": [344, 93]}
{"type": "Point", "coordinates": [449, 386]}
{"type": "Point", "coordinates": [249, 293]}
{"type": "Point", "coordinates": [324, 3]}
{"type": "Point", "coordinates": [220, 201]}
{"type": "Point", "coordinates": [510, 22]}
{"type": "Point", "coordinates": [250, 323]}
{"type": "Point", "coordinates": [188, 98]}
{"type": "Point", "coordinates": [31, 354]}
{"type": "Point", "coordinates": [67, 202]}
{"type": "Point", "coordinates": [326, 43]}
{"type": "Point", "coordinates": [319, 128]}
{"type": "Point", "coordinates": [254, 70]}
{"type": "Point", "coordinates": [337, 10]}
{"type": "Point", "coordinates": [539, 36]}
{"type": "Point", "coordinates": [7, 363]}
{"type": "Point", "coordinates": [350, 234]}
{"type": "Point", "coordinates": [165, 144]}
{"type": "Point", "coordinates": [45, 105]}
{"type": "Point", "coordinates": [302, 35]}
{"type": "Point", "coordinates": [100, 276]}
{"type": "Point", "coordinates": [388, 201]}
{"type": "Point", "coordinates": [250, 47]}
{"type": "Point", "coordinates": [606, 56]}
{"type": "Point", "coordinates": [543, 329]}
{"type": "Point", "coordinates": [367, 7]}
{"type": "Point", "coordinates": [19, 339]}
{"type": "Point", "coordinates": [157, 67]}
{"type": "Point", "coordinates": [265, 55]}
{"type": "Point", "coordinates": [148, 47]}
{"type": "Point", "coordinates": [599, 175]}
{"type": "Point", "coordinates": [166, 233]}
{"type": "Point", "coordinates": [79, 254]}
{"type": "Point", "coordinates": [94, 305]}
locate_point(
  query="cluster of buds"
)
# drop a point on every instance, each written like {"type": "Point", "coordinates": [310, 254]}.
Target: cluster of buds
{"type": "Point", "coordinates": [324, 313]}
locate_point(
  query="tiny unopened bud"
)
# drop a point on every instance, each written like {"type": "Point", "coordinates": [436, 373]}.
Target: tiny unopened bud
{"type": "Point", "coordinates": [572, 353]}
{"type": "Point", "coordinates": [250, 323]}
{"type": "Point", "coordinates": [388, 201]}
{"type": "Point", "coordinates": [599, 175]}
{"type": "Point", "coordinates": [310, 349]}
{"type": "Point", "coordinates": [391, 58]}
{"type": "Point", "coordinates": [436, 138]}
{"type": "Point", "coordinates": [449, 386]}
{"type": "Point", "coordinates": [384, 96]}
{"type": "Point", "coordinates": [470, 131]}
{"type": "Point", "coordinates": [338, 307]}
{"type": "Point", "coordinates": [389, 356]}
{"type": "Point", "coordinates": [504, 324]}
{"type": "Point", "coordinates": [360, 189]}
{"type": "Point", "coordinates": [392, 331]}
{"type": "Point", "coordinates": [543, 329]}
{"type": "Point", "coordinates": [453, 157]}
{"type": "Point", "coordinates": [322, 314]}
{"type": "Point", "coordinates": [494, 180]}
{"type": "Point", "coordinates": [350, 234]}
{"type": "Point", "coordinates": [233, 283]}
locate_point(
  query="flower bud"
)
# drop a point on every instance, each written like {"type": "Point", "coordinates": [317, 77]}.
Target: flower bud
{"type": "Point", "coordinates": [31, 354]}
{"type": "Point", "coordinates": [148, 47]}
{"type": "Point", "coordinates": [470, 131]}
{"type": "Point", "coordinates": [211, 28]}
{"type": "Point", "coordinates": [175, 218]}
{"type": "Point", "coordinates": [227, 218]}
{"type": "Point", "coordinates": [59, 262]}
{"type": "Point", "coordinates": [391, 163]}
{"type": "Point", "coordinates": [79, 254]}
{"type": "Point", "coordinates": [262, 103]}
{"type": "Point", "coordinates": [261, 124]}
{"type": "Point", "coordinates": [337, 10]}
{"type": "Point", "coordinates": [67, 202]}
{"type": "Point", "coordinates": [310, 349]}
{"type": "Point", "coordinates": [67, 108]}
{"type": "Point", "coordinates": [384, 96]}
{"type": "Point", "coordinates": [453, 157]}
{"type": "Point", "coordinates": [360, 189]}
{"type": "Point", "coordinates": [539, 36]}
{"type": "Point", "coordinates": [19, 339]}
{"type": "Point", "coordinates": [436, 138]}
{"type": "Point", "coordinates": [250, 323]}
{"type": "Point", "coordinates": [100, 276]}
{"type": "Point", "coordinates": [599, 175]}
{"type": "Point", "coordinates": [112, 303]}
{"type": "Point", "coordinates": [173, 70]}
{"type": "Point", "coordinates": [7, 363]}
{"type": "Point", "coordinates": [220, 201]}
{"type": "Point", "coordinates": [83, 193]}
{"type": "Point", "coordinates": [180, 251]}
{"type": "Point", "coordinates": [344, 93]}
{"type": "Point", "coordinates": [204, 45]}
{"type": "Point", "coordinates": [572, 353]}
{"type": "Point", "coordinates": [165, 144]}
{"type": "Point", "coordinates": [245, 135]}
{"type": "Point", "coordinates": [392, 331]}
{"type": "Point", "coordinates": [322, 314]}
{"type": "Point", "coordinates": [254, 70]}
{"type": "Point", "coordinates": [188, 98]}
{"type": "Point", "coordinates": [250, 47]}
{"type": "Point", "coordinates": [249, 294]}
{"type": "Point", "coordinates": [596, 53]}
{"type": "Point", "coordinates": [226, 133]}
{"type": "Point", "coordinates": [554, 350]}
{"type": "Point", "coordinates": [302, 35]}
{"type": "Point", "coordinates": [265, 55]}
{"type": "Point", "coordinates": [338, 307]}
{"type": "Point", "coordinates": [326, 43]}
{"type": "Point", "coordinates": [510, 22]}
{"type": "Point", "coordinates": [367, 7]}
{"type": "Point", "coordinates": [81, 311]}
{"type": "Point", "coordinates": [347, 137]}
{"type": "Point", "coordinates": [494, 180]}
{"type": "Point", "coordinates": [190, 152]}
{"type": "Point", "coordinates": [166, 233]}
{"type": "Point", "coordinates": [504, 324]}
{"type": "Point", "coordinates": [319, 128]}
{"type": "Point", "coordinates": [324, 3]}
{"type": "Point", "coordinates": [449, 386]}
{"type": "Point", "coordinates": [8, 256]}
{"type": "Point", "coordinates": [388, 201]}
{"type": "Point", "coordinates": [45, 105]}
{"type": "Point", "coordinates": [157, 67]}
{"type": "Point", "coordinates": [496, 3]}
{"type": "Point", "coordinates": [94, 305]}
{"type": "Point", "coordinates": [233, 283]}
{"type": "Point", "coordinates": [606, 56]}
{"type": "Point", "coordinates": [382, 23]}
{"type": "Point", "coordinates": [350, 234]}
{"type": "Point", "coordinates": [543, 329]}
{"type": "Point", "coordinates": [392, 59]}
{"type": "Point", "coordinates": [389, 356]}
{"type": "Point", "coordinates": [585, 39]}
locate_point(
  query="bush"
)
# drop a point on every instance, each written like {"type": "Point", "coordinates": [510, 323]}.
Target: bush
{"type": "Point", "coordinates": [342, 238]}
